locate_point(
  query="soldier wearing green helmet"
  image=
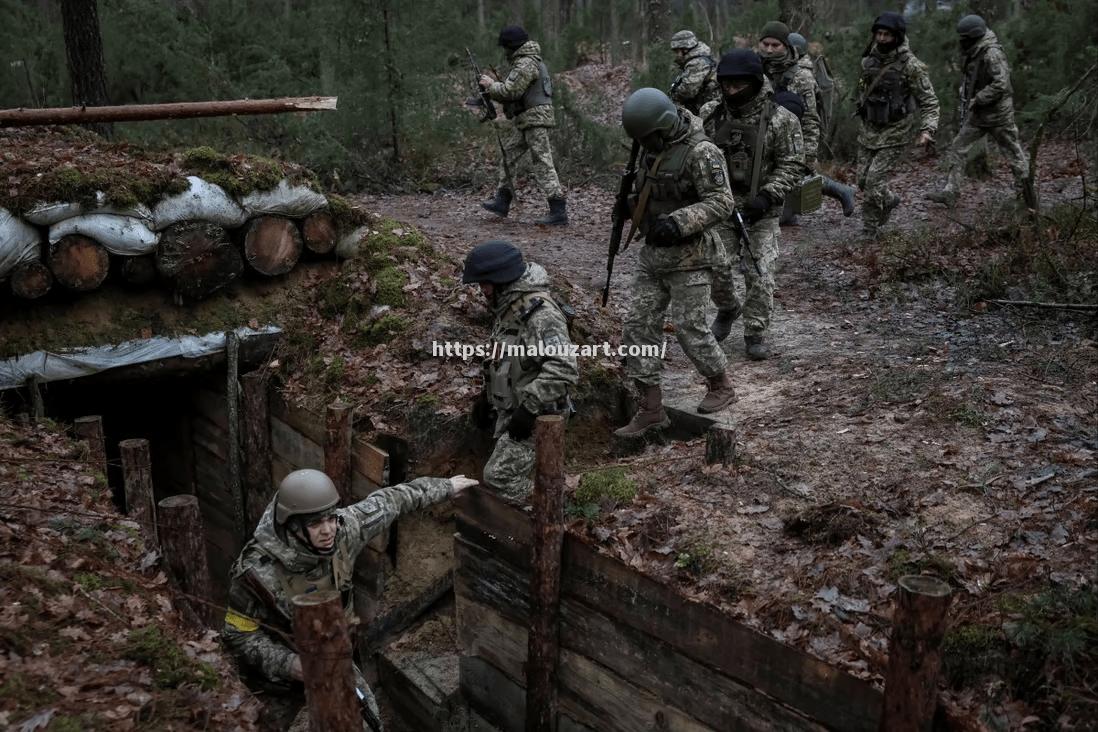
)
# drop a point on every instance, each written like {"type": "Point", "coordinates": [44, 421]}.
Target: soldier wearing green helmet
{"type": "Point", "coordinates": [696, 82]}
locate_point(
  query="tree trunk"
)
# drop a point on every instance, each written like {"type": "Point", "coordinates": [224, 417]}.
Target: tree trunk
{"type": "Point", "coordinates": [337, 448]}
{"type": "Point", "coordinates": [720, 445]}
{"type": "Point", "coordinates": [79, 263]}
{"type": "Point", "coordinates": [137, 484]}
{"type": "Point", "coordinates": [797, 14]}
{"type": "Point", "coordinates": [272, 245]}
{"type": "Point", "coordinates": [319, 231]}
{"type": "Point", "coordinates": [140, 270]}
{"type": "Point", "coordinates": [169, 110]}
{"type": "Point", "coordinates": [84, 52]}
{"type": "Point", "coordinates": [198, 257]}
{"type": "Point", "coordinates": [393, 79]}
{"type": "Point", "coordinates": [320, 633]}
{"type": "Point", "coordinates": [184, 550]}
{"type": "Point", "coordinates": [257, 445]}
{"type": "Point", "coordinates": [31, 280]}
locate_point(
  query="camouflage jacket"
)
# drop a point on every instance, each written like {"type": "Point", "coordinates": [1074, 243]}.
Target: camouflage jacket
{"type": "Point", "coordinates": [986, 84]}
{"type": "Point", "coordinates": [786, 74]}
{"type": "Point", "coordinates": [527, 315]}
{"type": "Point", "coordinates": [700, 200]}
{"type": "Point", "coordinates": [274, 566]}
{"type": "Point", "coordinates": [783, 158]}
{"type": "Point", "coordinates": [916, 84]}
{"type": "Point", "coordinates": [696, 84]}
{"type": "Point", "coordinates": [525, 70]}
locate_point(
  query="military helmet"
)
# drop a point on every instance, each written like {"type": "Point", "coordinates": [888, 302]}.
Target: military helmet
{"type": "Point", "coordinates": [971, 26]}
{"type": "Point", "coordinates": [304, 492]}
{"type": "Point", "coordinates": [497, 261]}
{"type": "Point", "coordinates": [646, 111]}
{"type": "Point", "coordinates": [893, 22]}
{"type": "Point", "coordinates": [740, 63]}
{"type": "Point", "coordinates": [798, 43]}
{"type": "Point", "coordinates": [684, 39]}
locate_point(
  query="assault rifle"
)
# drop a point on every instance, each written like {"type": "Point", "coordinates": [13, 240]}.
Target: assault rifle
{"type": "Point", "coordinates": [741, 229]}
{"type": "Point", "coordinates": [621, 208]}
{"type": "Point", "coordinates": [483, 100]}
{"type": "Point", "coordinates": [368, 715]}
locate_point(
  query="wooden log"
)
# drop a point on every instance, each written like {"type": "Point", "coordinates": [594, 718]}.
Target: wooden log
{"type": "Point", "coordinates": [38, 404]}
{"type": "Point", "coordinates": [139, 271]}
{"type": "Point", "coordinates": [198, 257]}
{"type": "Point", "coordinates": [232, 399]}
{"type": "Point", "coordinates": [548, 520]}
{"type": "Point", "coordinates": [23, 117]}
{"type": "Point", "coordinates": [184, 550]}
{"type": "Point", "coordinates": [720, 444]}
{"type": "Point", "coordinates": [79, 263]}
{"type": "Point", "coordinates": [337, 448]}
{"type": "Point", "coordinates": [257, 445]}
{"type": "Point", "coordinates": [31, 280]}
{"type": "Point", "coordinates": [90, 429]}
{"type": "Point", "coordinates": [137, 481]}
{"type": "Point", "coordinates": [320, 634]}
{"type": "Point", "coordinates": [915, 654]}
{"type": "Point", "coordinates": [272, 245]}
{"type": "Point", "coordinates": [319, 231]}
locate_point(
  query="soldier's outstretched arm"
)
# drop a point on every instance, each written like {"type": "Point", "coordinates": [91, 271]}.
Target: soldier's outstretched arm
{"type": "Point", "coordinates": [709, 174]}
{"type": "Point", "coordinates": [923, 91]}
{"type": "Point", "coordinates": [369, 517]}
{"type": "Point", "coordinates": [245, 636]}
{"type": "Point", "coordinates": [784, 138]}
{"type": "Point", "coordinates": [516, 83]}
{"type": "Point", "coordinates": [999, 71]}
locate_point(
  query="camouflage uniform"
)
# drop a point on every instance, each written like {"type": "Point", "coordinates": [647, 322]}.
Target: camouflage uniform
{"type": "Point", "coordinates": [526, 93]}
{"type": "Point", "coordinates": [782, 169]}
{"type": "Point", "coordinates": [525, 315]}
{"type": "Point", "coordinates": [274, 567]}
{"type": "Point", "coordinates": [696, 85]}
{"type": "Point", "coordinates": [889, 123]}
{"type": "Point", "coordinates": [785, 73]}
{"type": "Point", "coordinates": [691, 187]}
{"type": "Point", "coordinates": [990, 112]}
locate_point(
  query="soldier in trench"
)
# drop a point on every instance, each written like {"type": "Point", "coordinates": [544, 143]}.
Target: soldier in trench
{"type": "Point", "coordinates": [305, 543]}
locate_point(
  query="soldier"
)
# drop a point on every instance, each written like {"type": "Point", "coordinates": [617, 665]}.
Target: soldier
{"type": "Point", "coordinates": [519, 386]}
{"type": "Point", "coordinates": [893, 84]}
{"type": "Point", "coordinates": [826, 85]}
{"type": "Point", "coordinates": [780, 62]}
{"type": "Point", "coordinates": [681, 194]}
{"type": "Point", "coordinates": [763, 147]}
{"type": "Point", "coordinates": [696, 83]}
{"type": "Point", "coordinates": [527, 96]}
{"type": "Point", "coordinates": [303, 544]}
{"type": "Point", "coordinates": [987, 108]}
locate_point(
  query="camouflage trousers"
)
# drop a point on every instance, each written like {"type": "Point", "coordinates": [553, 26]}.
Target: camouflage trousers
{"type": "Point", "coordinates": [529, 150]}
{"type": "Point", "coordinates": [1005, 136]}
{"type": "Point", "coordinates": [687, 294]}
{"type": "Point", "coordinates": [758, 302]}
{"type": "Point", "coordinates": [508, 468]}
{"type": "Point", "coordinates": [874, 168]}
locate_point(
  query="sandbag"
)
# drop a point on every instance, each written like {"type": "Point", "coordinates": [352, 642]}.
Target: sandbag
{"type": "Point", "coordinates": [118, 234]}
{"type": "Point", "coordinates": [48, 214]}
{"type": "Point", "coordinates": [19, 242]}
{"type": "Point", "coordinates": [349, 245]}
{"type": "Point", "coordinates": [284, 200]}
{"type": "Point", "coordinates": [202, 201]}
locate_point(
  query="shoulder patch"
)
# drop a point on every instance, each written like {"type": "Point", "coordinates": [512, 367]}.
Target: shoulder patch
{"type": "Point", "coordinates": [241, 622]}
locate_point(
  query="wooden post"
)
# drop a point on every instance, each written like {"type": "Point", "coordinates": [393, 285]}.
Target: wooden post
{"type": "Point", "coordinates": [720, 444]}
{"type": "Point", "coordinates": [38, 405]}
{"type": "Point", "coordinates": [257, 445]}
{"type": "Point", "coordinates": [90, 429]}
{"type": "Point", "coordinates": [232, 398]}
{"type": "Point", "coordinates": [915, 654]}
{"type": "Point", "coordinates": [137, 480]}
{"type": "Point", "coordinates": [337, 448]}
{"type": "Point", "coordinates": [173, 110]}
{"type": "Point", "coordinates": [324, 646]}
{"type": "Point", "coordinates": [548, 534]}
{"type": "Point", "coordinates": [184, 550]}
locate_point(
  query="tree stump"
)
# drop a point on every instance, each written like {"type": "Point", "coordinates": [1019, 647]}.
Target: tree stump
{"type": "Point", "coordinates": [720, 444]}
{"type": "Point", "coordinates": [137, 480]}
{"type": "Point", "coordinates": [337, 448]}
{"type": "Point", "coordinates": [319, 231]}
{"type": "Point", "coordinates": [79, 263]}
{"type": "Point", "coordinates": [198, 257]}
{"type": "Point", "coordinates": [324, 645]}
{"type": "Point", "coordinates": [184, 552]}
{"type": "Point", "coordinates": [140, 270]}
{"type": "Point", "coordinates": [31, 280]}
{"type": "Point", "coordinates": [272, 245]}
{"type": "Point", "coordinates": [90, 429]}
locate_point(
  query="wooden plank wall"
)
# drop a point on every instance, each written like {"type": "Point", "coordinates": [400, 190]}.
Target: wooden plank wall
{"type": "Point", "coordinates": [635, 654]}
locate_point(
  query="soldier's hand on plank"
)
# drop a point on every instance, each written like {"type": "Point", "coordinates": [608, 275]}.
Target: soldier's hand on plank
{"type": "Point", "coordinates": [460, 483]}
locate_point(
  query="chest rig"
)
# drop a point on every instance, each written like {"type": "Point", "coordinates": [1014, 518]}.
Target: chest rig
{"type": "Point", "coordinates": [671, 187]}
{"type": "Point", "coordinates": [506, 374]}
{"type": "Point", "coordinates": [887, 98]}
{"type": "Point", "coordinates": [332, 574]}
{"type": "Point", "coordinates": [743, 142]}
{"type": "Point", "coordinates": [539, 93]}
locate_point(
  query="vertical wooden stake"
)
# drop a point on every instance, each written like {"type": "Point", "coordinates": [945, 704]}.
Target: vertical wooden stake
{"type": "Point", "coordinates": [548, 533]}
{"type": "Point", "coordinates": [90, 429]}
{"type": "Point", "coordinates": [232, 397]}
{"type": "Point", "coordinates": [320, 633]}
{"type": "Point", "coordinates": [720, 444]}
{"type": "Point", "coordinates": [257, 446]}
{"type": "Point", "coordinates": [337, 448]}
{"type": "Point", "coordinates": [915, 654]}
{"type": "Point", "coordinates": [184, 551]}
{"type": "Point", "coordinates": [137, 481]}
{"type": "Point", "coordinates": [38, 406]}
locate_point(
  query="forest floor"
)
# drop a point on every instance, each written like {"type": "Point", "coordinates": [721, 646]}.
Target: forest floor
{"type": "Point", "coordinates": [903, 425]}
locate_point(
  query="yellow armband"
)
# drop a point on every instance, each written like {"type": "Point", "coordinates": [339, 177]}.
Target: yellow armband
{"type": "Point", "coordinates": [241, 622]}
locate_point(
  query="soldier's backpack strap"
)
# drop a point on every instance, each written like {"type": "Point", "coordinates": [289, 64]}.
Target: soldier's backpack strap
{"type": "Point", "coordinates": [276, 620]}
{"type": "Point", "coordinates": [897, 63]}
{"type": "Point", "coordinates": [760, 143]}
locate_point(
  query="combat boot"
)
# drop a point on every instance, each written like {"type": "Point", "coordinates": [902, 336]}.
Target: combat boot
{"type": "Point", "coordinates": [501, 203]}
{"type": "Point", "coordinates": [944, 196]}
{"type": "Point", "coordinates": [890, 205]}
{"type": "Point", "coordinates": [722, 324]}
{"type": "Point", "coordinates": [558, 213]}
{"type": "Point", "coordinates": [844, 194]}
{"type": "Point", "coordinates": [719, 394]}
{"type": "Point", "coordinates": [650, 415]}
{"type": "Point", "coordinates": [756, 348]}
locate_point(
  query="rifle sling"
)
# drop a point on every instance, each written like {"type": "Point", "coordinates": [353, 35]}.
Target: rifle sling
{"type": "Point", "coordinates": [642, 199]}
{"type": "Point", "coordinates": [760, 143]}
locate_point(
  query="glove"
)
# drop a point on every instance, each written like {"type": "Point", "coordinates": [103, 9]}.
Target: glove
{"type": "Point", "coordinates": [481, 416]}
{"type": "Point", "coordinates": [664, 233]}
{"type": "Point", "coordinates": [757, 207]}
{"type": "Point", "coordinates": [521, 425]}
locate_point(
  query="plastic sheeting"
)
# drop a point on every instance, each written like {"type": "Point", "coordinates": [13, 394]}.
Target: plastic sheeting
{"type": "Point", "coordinates": [202, 202]}
{"type": "Point", "coordinates": [77, 362]}
{"type": "Point", "coordinates": [118, 234]}
{"type": "Point", "coordinates": [284, 200]}
{"type": "Point", "coordinates": [48, 214]}
{"type": "Point", "coordinates": [19, 243]}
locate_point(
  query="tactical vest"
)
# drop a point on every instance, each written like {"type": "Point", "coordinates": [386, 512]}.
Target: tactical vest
{"type": "Point", "coordinates": [507, 375]}
{"type": "Point", "coordinates": [976, 73]}
{"type": "Point", "coordinates": [738, 140]}
{"type": "Point", "coordinates": [671, 187]}
{"type": "Point", "coordinates": [710, 89]}
{"type": "Point", "coordinates": [886, 98]}
{"type": "Point", "coordinates": [334, 576]}
{"type": "Point", "coordinates": [538, 94]}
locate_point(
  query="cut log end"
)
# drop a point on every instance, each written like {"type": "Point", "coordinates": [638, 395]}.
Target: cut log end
{"type": "Point", "coordinates": [31, 280]}
{"type": "Point", "coordinates": [199, 258]}
{"type": "Point", "coordinates": [79, 263]}
{"type": "Point", "coordinates": [140, 270]}
{"type": "Point", "coordinates": [272, 245]}
{"type": "Point", "coordinates": [319, 231]}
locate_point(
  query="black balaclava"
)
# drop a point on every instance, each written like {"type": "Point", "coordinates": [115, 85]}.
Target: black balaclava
{"type": "Point", "coordinates": [742, 63]}
{"type": "Point", "coordinates": [895, 23]}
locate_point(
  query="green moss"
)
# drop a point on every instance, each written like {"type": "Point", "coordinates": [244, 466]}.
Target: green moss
{"type": "Point", "coordinates": [67, 723]}
{"type": "Point", "coordinates": [970, 652]}
{"type": "Point", "coordinates": [122, 187]}
{"type": "Point", "coordinates": [390, 283]}
{"type": "Point", "coordinates": [89, 581]}
{"type": "Point", "coordinates": [170, 665]}
{"type": "Point", "coordinates": [696, 559]}
{"type": "Point", "coordinates": [344, 215]}
{"type": "Point", "coordinates": [240, 175]}
{"type": "Point", "coordinates": [391, 242]}
{"type": "Point", "coordinates": [608, 486]}
{"type": "Point", "coordinates": [902, 562]}
{"type": "Point", "coordinates": [382, 330]}
{"type": "Point", "coordinates": [333, 373]}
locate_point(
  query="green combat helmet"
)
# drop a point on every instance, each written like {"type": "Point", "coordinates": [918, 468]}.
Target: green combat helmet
{"type": "Point", "coordinates": [798, 43]}
{"type": "Point", "coordinates": [971, 26]}
{"type": "Point", "coordinates": [684, 40]}
{"type": "Point", "coordinates": [302, 495]}
{"type": "Point", "coordinates": [648, 111]}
